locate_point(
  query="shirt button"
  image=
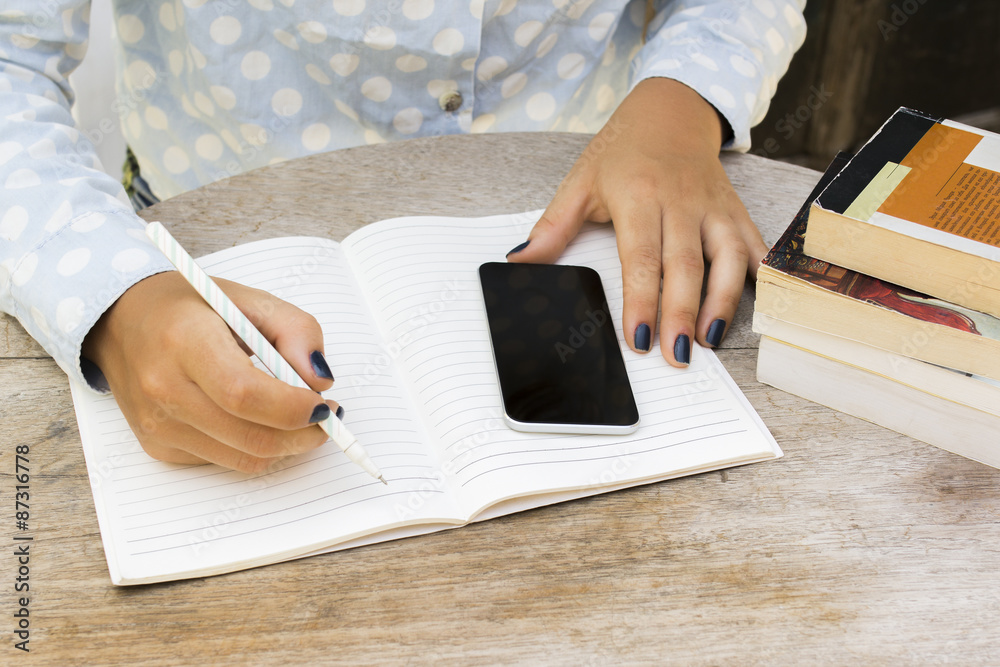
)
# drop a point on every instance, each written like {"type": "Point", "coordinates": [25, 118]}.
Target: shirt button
{"type": "Point", "coordinates": [450, 101]}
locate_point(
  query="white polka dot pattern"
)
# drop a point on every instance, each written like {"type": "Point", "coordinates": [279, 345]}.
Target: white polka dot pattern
{"type": "Point", "coordinates": [255, 65]}
{"type": "Point", "coordinates": [316, 137]}
{"type": "Point", "coordinates": [344, 64]}
{"type": "Point", "coordinates": [13, 223]}
{"type": "Point", "coordinates": [214, 89]}
{"type": "Point", "coordinates": [225, 30]}
{"type": "Point", "coordinates": [73, 262]}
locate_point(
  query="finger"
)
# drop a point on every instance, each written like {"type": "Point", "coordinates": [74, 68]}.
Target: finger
{"type": "Point", "coordinates": [559, 224]}
{"type": "Point", "coordinates": [294, 333]}
{"type": "Point", "coordinates": [683, 271]}
{"type": "Point", "coordinates": [750, 234]}
{"type": "Point", "coordinates": [204, 449]}
{"type": "Point", "coordinates": [757, 249]}
{"type": "Point", "coordinates": [638, 230]}
{"type": "Point", "coordinates": [189, 428]}
{"type": "Point", "coordinates": [728, 255]}
{"type": "Point", "coordinates": [230, 380]}
{"type": "Point", "coordinates": [192, 407]}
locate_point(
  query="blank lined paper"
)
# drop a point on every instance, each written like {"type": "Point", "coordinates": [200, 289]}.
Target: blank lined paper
{"type": "Point", "coordinates": [436, 320]}
{"type": "Point", "coordinates": [169, 518]}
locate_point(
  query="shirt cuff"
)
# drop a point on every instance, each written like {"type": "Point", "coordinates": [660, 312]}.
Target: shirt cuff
{"type": "Point", "coordinates": [64, 286]}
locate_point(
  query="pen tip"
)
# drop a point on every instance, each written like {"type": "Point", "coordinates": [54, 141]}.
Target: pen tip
{"type": "Point", "coordinates": [382, 479]}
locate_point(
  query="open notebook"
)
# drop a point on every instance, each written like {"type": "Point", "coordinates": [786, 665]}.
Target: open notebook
{"type": "Point", "coordinates": [406, 337]}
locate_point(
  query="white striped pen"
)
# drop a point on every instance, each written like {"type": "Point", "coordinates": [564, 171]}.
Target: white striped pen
{"type": "Point", "coordinates": [248, 333]}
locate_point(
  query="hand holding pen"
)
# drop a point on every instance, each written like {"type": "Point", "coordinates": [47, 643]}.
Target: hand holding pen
{"type": "Point", "coordinates": [189, 391]}
{"type": "Point", "coordinates": [255, 341]}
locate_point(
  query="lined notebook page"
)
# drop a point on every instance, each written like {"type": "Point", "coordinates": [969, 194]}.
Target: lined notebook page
{"type": "Point", "coordinates": [159, 519]}
{"type": "Point", "coordinates": [420, 277]}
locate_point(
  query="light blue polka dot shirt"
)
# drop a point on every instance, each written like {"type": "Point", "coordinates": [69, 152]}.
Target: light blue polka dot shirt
{"type": "Point", "coordinates": [208, 89]}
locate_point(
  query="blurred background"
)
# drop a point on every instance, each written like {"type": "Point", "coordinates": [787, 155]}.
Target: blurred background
{"type": "Point", "coordinates": [863, 59]}
{"type": "Point", "coordinates": [94, 85]}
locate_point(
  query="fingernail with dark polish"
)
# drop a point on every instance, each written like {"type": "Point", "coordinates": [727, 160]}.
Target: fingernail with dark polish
{"type": "Point", "coordinates": [320, 367]}
{"type": "Point", "coordinates": [642, 337]}
{"type": "Point", "coordinates": [682, 349]}
{"type": "Point", "coordinates": [518, 248]}
{"type": "Point", "coordinates": [320, 412]}
{"type": "Point", "coordinates": [340, 412]}
{"type": "Point", "coordinates": [715, 332]}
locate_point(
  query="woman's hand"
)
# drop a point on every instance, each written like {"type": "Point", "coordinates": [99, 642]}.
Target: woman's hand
{"type": "Point", "coordinates": [187, 386]}
{"type": "Point", "coordinates": [654, 169]}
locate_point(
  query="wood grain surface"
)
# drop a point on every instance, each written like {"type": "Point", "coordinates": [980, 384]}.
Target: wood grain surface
{"type": "Point", "coordinates": [860, 545]}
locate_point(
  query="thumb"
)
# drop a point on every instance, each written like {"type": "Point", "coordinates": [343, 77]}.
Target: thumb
{"type": "Point", "coordinates": [559, 224]}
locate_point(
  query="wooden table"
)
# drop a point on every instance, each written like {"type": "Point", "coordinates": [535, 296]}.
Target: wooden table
{"type": "Point", "coordinates": [860, 544]}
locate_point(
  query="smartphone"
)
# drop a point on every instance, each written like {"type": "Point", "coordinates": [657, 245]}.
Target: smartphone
{"type": "Point", "coordinates": [557, 355]}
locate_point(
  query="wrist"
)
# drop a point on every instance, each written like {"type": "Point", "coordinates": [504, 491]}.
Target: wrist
{"type": "Point", "coordinates": [109, 330]}
{"type": "Point", "coordinates": [677, 105]}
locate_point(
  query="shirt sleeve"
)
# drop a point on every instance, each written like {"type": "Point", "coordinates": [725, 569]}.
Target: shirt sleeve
{"type": "Point", "coordinates": [731, 53]}
{"type": "Point", "coordinates": [70, 243]}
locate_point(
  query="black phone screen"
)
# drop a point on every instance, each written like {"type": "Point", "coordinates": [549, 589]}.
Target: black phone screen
{"type": "Point", "coordinates": [557, 354]}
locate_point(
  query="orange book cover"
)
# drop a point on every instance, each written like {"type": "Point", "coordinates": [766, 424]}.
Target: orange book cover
{"type": "Point", "coordinates": [788, 257]}
{"type": "Point", "coordinates": [927, 178]}
{"type": "Point", "coordinates": [941, 190]}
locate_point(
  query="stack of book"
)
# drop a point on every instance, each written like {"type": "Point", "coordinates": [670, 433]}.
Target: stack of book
{"type": "Point", "coordinates": [882, 299]}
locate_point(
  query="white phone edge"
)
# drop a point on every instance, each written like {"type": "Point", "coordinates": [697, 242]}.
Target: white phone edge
{"type": "Point", "coordinates": [573, 429]}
